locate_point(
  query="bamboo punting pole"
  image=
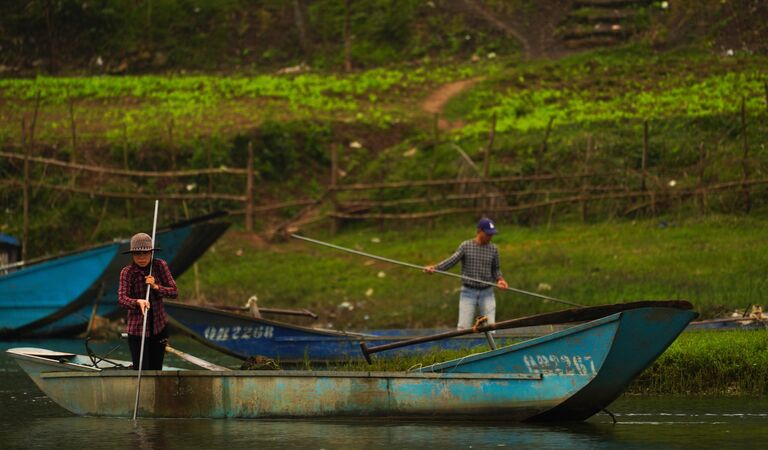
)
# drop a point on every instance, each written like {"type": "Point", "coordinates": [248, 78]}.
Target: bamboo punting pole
{"type": "Point", "coordinates": [421, 268]}
{"type": "Point", "coordinates": [144, 322]}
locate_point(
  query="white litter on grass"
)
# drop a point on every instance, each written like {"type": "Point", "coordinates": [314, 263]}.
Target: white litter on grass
{"type": "Point", "coordinates": [355, 144]}
{"type": "Point", "coordinates": [369, 292]}
{"type": "Point", "coordinates": [381, 275]}
{"type": "Point", "coordinates": [544, 287]}
{"type": "Point", "coordinates": [375, 240]}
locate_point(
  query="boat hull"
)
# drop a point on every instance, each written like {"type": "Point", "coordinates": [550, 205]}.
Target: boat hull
{"type": "Point", "coordinates": [639, 336]}
{"type": "Point", "coordinates": [33, 293]}
{"type": "Point", "coordinates": [181, 247]}
{"type": "Point", "coordinates": [508, 395]}
{"type": "Point", "coordinates": [244, 394]}
{"type": "Point", "coordinates": [566, 376]}
{"type": "Point", "coordinates": [243, 336]}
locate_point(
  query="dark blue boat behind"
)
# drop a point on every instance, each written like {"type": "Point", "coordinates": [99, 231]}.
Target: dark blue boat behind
{"type": "Point", "coordinates": [243, 336]}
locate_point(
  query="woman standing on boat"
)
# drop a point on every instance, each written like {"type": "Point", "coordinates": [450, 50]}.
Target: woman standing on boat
{"type": "Point", "coordinates": [479, 260]}
{"type": "Point", "coordinates": [131, 295]}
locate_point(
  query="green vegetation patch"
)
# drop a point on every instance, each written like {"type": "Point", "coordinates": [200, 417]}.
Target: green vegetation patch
{"type": "Point", "coordinates": [710, 363]}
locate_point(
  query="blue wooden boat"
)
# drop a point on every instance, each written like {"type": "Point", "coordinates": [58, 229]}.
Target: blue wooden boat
{"type": "Point", "coordinates": [567, 375]}
{"type": "Point", "coordinates": [242, 336]}
{"type": "Point", "coordinates": [32, 292]}
{"type": "Point", "coordinates": [639, 337]}
{"type": "Point", "coordinates": [182, 244]}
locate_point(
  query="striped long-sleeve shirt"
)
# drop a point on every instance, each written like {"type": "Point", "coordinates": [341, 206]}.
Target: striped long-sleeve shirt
{"type": "Point", "coordinates": [477, 261]}
{"type": "Point", "coordinates": [133, 287]}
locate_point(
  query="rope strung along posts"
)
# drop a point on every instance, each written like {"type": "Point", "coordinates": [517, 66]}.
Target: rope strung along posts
{"type": "Point", "coordinates": [421, 268]}
{"type": "Point", "coordinates": [144, 323]}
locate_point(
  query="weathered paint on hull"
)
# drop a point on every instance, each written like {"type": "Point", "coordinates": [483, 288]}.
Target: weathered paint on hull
{"type": "Point", "coordinates": [243, 394]}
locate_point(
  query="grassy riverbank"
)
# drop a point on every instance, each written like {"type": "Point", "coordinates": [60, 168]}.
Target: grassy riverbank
{"type": "Point", "coordinates": [711, 363]}
{"type": "Point", "coordinates": [715, 262]}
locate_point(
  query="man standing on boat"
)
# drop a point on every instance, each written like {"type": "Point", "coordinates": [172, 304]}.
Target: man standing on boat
{"type": "Point", "coordinates": [131, 295]}
{"type": "Point", "coordinates": [479, 260]}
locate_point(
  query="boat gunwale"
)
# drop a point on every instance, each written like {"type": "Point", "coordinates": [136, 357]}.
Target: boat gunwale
{"type": "Point", "coordinates": [150, 374]}
{"type": "Point", "coordinates": [54, 362]}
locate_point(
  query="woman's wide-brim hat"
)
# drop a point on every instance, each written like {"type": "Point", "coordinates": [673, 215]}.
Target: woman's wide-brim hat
{"type": "Point", "coordinates": [141, 242]}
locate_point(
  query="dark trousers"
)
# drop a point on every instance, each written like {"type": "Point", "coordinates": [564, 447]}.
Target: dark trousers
{"type": "Point", "coordinates": [154, 350]}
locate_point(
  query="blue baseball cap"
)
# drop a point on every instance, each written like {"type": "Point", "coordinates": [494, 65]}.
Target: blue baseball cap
{"type": "Point", "coordinates": [487, 226]}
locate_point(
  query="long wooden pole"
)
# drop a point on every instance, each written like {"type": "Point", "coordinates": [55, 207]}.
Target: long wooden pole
{"type": "Point", "coordinates": [144, 323]}
{"type": "Point", "coordinates": [421, 268]}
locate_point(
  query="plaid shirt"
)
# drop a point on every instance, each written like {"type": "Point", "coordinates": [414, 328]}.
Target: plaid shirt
{"type": "Point", "coordinates": [477, 261]}
{"type": "Point", "coordinates": [133, 287]}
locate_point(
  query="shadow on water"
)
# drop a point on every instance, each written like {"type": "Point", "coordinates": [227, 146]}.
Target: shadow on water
{"type": "Point", "coordinates": [28, 419]}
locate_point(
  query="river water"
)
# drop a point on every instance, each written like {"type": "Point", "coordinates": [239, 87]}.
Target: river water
{"type": "Point", "coordinates": [28, 419]}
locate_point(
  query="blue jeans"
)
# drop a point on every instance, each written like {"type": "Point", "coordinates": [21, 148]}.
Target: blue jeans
{"type": "Point", "coordinates": [481, 299]}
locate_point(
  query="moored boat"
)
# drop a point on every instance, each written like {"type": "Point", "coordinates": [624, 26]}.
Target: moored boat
{"type": "Point", "coordinates": [36, 291]}
{"type": "Point", "coordinates": [61, 312]}
{"type": "Point", "coordinates": [564, 376]}
{"type": "Point", "coordinates": [243, 336]}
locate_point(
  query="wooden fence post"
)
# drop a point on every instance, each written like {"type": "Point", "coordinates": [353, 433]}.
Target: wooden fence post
{"type": "Point", "coordinates": [584, 180]}
{"type": "Point", "coordinates": [30, 141]}
{"type": "Point", "coordinates": [488, 202]}
{"type": "Point", "coordinates": [539, 156]}
{"type": "Point", "coordinates": [210, 177]}
{"type": "Point", "coordinates": [644, 159]}
{"type": "Point", "coordinates": [745, 157]}
{"type": "Point", "coordinates": [25, 191]}
{"type": "Point", "coordinates": [73, 130]}
{"type": "Point", "coordinates": [125, 166]}
{"type": "Point", "coordinates": [702, 168]}
{"type": "Point", "coordinates": [249, 190]}
{"type": "Point", "coordinates": [172, 148]}
{"type": "Point", "coordinates": [333, 196]}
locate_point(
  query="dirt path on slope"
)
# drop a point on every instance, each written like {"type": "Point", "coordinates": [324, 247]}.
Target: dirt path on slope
{"type": "Point", "coordinates": [437, 100]}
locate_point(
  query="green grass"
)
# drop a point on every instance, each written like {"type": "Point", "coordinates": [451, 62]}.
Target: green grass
{"type": "Point", "coordinates": [710, 363]}
{"type": "Point", "coordinates": [717, 263]}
